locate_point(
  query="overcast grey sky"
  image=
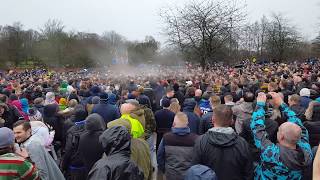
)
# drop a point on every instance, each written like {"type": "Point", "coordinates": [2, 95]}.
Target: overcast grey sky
{"type": "Point", "coordinates": [135, 19]}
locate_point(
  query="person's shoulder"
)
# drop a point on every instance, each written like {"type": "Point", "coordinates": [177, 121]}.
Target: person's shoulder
{"type": "Point", "coordinates": [241, 141]}
{"type": "Point", "coordinates": [11, 157]}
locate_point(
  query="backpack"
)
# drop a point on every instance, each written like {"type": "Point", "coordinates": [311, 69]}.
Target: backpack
{"type": "Point", "coordinates": [76, 132]}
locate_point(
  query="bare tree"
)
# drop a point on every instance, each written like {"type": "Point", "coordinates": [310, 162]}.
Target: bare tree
{"type": "Point", "coordinates": [282, 38]}
{"type": "Point", "coordinates": [202, 27]}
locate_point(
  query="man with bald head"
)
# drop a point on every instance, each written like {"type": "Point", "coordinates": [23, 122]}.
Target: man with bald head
{"type": "Point", "coordinates": [292, 154]}
{"type": "Point", "coordinates": [126, 109]}
{"type": "Point", "coordinates": [176, 149]}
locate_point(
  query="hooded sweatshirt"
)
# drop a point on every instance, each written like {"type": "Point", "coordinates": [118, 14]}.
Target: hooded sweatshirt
{"type": "Point", "coordinates": [223, 150]}
{"type": "Point", "coordinates": [90, 148]}
{"type": "Point", "coordinates": [117, 164]}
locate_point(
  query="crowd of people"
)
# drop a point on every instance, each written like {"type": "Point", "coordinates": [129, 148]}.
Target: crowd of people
{"type": "Point", "coordinates": [254, 121]}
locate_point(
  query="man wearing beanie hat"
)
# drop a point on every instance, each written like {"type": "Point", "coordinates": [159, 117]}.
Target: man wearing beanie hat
{"type": "Point", "coordinates": [13, 166]}
{"type": "Point", "coordinates": [305, 97]}
{"type": "Point", "coordinates": [164, 119]}
{"type": "Point", "coordinates": [89, 147]}
{"type": "Point", "coordinates": [107, 111]}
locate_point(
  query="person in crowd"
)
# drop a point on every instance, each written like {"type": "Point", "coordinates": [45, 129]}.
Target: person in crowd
{"type": "Point", "coordinates": [305, 97]}
{"type": "Point", "coordinates": [164, 119]}
{"type": "Point", "coordinates": [72, 163]}
{"type": "Point", "coordinates": [107, 111]}
{"type": "Point", "coordinates": [288, 158]}
{"type": "Point", "coordinates": [294, 104]}
{"type": "Point", "coordinates": [48, 169]}
{"type": "Point", "coordinates": [222, 149]}
{"type": "Point", "coordinates": [90, 149]}
{"type": "Point", "coordinates": [169, 95]}
{"type": "Point", "coordinates": [13, 165]}
{"type": "Point", "coordinates": [206, 119]}
{"type": "Point", "coordinates": [140, 151]}
{"type": "Point", "coordinates": [228, 100]}
{"type": "Point", "coordinates": [9, 114]}
{"type": "Point", "coordinates": [198, 95]}
{"type": "Point", "coordinates": [176, 149]}
{"type": "Point", "coordinates": [117, 164]}
{"type": "Point", "coordinates": [243, 111]}
{"type": "Point", "coordinates": [194, 120]}
{"type": "Point", "coordinates": [174, 105]}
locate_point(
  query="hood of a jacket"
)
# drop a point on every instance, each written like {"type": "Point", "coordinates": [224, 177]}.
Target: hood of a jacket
{"type": "Point", "coordinates": [222, 137]}
{"type": "Point", "coordinates": [112, 99]}
{"type": "Point", "coordinates": [80, 115]}
{"type": "Point", "coordinates": [137, 114]}
{"type": "Point", "coordinates": [294, 159]}
{"type": "Point", "coordinates": [189, 105]}
{"type": "Point", "coordinates": [94, 122]}
{"type": "Point", "coordinates": [116, 140]}
{"type": "Point", "coordinates": [181, 131]}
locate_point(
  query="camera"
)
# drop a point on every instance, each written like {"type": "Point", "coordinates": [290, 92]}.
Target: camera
{"type": "Point", "coordinates": [269, 96]}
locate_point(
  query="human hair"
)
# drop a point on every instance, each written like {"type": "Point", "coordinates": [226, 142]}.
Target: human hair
{"type": "Point", "coordinates": [248, 97]}
{"type": "Point", "coordinates": [228, 98]}
{"type": "Point", "coordinates": [284, 83]}
{"type": "Point", "coordinates": [25, 124]}
{"type": "Point", "coordinates": [124, 92]}
{"type": "Point", "coordinates": [175, 107]}
{"type": "Point", "coordinates": [295, 98]}
{"type": "Point", "coordinates": [180, 120]}
{"type": "Point", "coordinates": [5, 150]}
{"type": "Point", "coordinates": [215, 100]}
{"type": "Point", "coordinates": [273, 87]}
{"type": "Point", "coordinates": [4, 98]}
{"type": "Point", "coordinates": [222, 115]}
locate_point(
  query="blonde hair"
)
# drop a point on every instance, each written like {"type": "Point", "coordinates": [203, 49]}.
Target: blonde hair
{"type": "Point", "coordinates": [180, 120]}
{"type": "Point", "coordinates": [175, 107]}
{"type": "Point", "coordinates": [215, 100]}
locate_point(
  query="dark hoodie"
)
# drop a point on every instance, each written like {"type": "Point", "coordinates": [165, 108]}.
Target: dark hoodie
{"type": "Point", "coordinates": [71, 159]}
{"type": "Point", "coordinates": [90, 148]}
{"type": "Point", "coordinates": [226, 153]}
{"type": "Point", "coordinates": [193, 119]}
{"type": "Point", "coordinates": [117, 165]}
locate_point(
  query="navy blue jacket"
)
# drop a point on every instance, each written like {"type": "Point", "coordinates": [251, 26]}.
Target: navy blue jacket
{"type": "Point", "coordinates": [193, 118]}
{"type": "Point", "coordinates": [107, 111]}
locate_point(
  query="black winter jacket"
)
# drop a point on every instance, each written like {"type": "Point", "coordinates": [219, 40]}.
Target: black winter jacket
{"type": "Point", "coordinates": [227, 154]}
{"type": "Point", "coordinates": [117, 165]}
